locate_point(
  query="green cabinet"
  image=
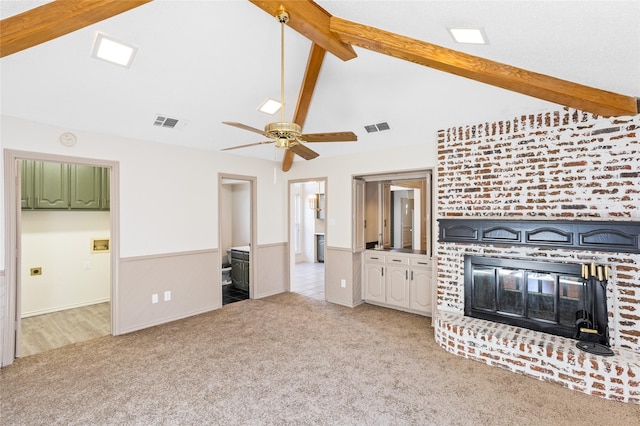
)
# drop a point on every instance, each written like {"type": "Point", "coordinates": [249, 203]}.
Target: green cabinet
{"type": "Point", "coordinates": [51, 185]}
{"type": "Point", "coordinates": [28, 198]}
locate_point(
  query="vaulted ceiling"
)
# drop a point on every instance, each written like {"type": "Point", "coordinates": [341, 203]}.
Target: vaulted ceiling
{"type": "Point", "coordinates": [205, 62]}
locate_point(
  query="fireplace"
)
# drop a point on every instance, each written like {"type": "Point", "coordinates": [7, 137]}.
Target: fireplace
{"type": "Point", "coordinates": [541, 296]}
{"type": "Point", "coordinates": [558, 187]}
{"type": "Point", "coordinates": [550, 297]}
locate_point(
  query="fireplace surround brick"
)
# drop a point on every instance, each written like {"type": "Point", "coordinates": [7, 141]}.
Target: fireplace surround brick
{"type": "Point", "coordinates": [564, 165]}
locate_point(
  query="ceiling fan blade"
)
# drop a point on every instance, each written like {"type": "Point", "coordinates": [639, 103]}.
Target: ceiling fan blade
{"type": "Point", "coordinates": [247, 145]}
{"type": "Point", "coordinates": [245, 127]}
{"type": "Point", "coordinates": [314, 63]}
{"type": "Point", "coordinates": [540, 86]}
{"type": "Point", "coordinates": [287, 160]}
{"type": "Point", "coordinates": [304, 152]}
{"type": "Point", "coordinates": [55, 19]}
{"type": "Point", "coordinates": [312, 21]}
{"type": "Point", "coordinates": [330, 137]}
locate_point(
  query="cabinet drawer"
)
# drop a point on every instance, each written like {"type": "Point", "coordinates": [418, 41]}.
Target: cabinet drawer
{"type": "Point", "coordinates": [374, 257]}
{"type": "Point", "coordinates": [419, 262]}
{"type": "Point", "coordinates": [397, 260]}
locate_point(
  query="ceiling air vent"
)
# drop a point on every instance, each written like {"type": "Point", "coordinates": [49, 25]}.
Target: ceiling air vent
{"type": "Point", "coordinates": [377, 127]}
{"type": "Point", "coordinates": [163, 121]}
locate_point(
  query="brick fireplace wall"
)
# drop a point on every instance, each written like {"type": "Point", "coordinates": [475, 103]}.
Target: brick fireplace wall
{"type": "Point", "coordinates": [566, 165]}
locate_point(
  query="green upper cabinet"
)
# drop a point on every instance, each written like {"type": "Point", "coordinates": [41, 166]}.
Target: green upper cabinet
{"type": "Point", "coordinates": [86, 186]}
{"type": "Point", "coordinates": [50, 185]}
{"type": "Point", "coordinates": [106, 189]}
{"type": "Point", "coordinates": [28, 198]}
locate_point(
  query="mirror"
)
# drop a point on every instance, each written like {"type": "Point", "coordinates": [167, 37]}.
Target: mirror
{"type": "Point", "coordinates": [397, 211]}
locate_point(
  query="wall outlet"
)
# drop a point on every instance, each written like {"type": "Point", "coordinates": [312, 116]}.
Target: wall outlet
{"type": "Point", "coordinates": [343, 283]}
{"type": "Point", "coordinates": [154, 298]}
{"type": "Point", "coordinates": [167, 296]}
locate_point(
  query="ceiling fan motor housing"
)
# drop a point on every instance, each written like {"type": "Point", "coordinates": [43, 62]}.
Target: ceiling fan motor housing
{"type": "Point", "coordinates": [285, 134]}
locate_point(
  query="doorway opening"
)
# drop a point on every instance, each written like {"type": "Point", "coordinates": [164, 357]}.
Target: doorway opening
{"type": "Point", "coordinates": [237, 218]}
{"type": "Point", "coordinates": [62, 234]}
{"type": "Point", "coordinates": [307, 233]}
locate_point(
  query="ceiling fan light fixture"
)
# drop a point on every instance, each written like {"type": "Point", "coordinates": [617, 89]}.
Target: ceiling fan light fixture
{"type": "Point", "coordinates": [468, 35]}
{"type": "Point", "coordinates": [270, 106]}
{"type": "Point", "coordinates": [111, 50]}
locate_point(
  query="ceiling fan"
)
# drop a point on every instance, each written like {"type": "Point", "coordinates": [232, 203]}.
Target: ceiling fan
{"type": "Point", "coordinates": [288, 135]}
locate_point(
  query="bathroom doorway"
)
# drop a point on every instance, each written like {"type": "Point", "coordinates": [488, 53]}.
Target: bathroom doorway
{"type": "Point", "coordinates": [307, 236]}
{"type": "Point", "coordinates": [237, 218]}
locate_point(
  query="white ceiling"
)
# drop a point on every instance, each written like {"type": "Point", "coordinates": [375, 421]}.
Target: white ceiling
{"type": "Point", "coordinates": [205, 62]}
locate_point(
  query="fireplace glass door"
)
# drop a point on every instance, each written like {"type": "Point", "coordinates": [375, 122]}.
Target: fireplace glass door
{"type": "Point", "coordinates": [541, 296]}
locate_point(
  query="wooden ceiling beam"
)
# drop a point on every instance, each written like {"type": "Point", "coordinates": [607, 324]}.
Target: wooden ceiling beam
{"type": "Point", "coordinates": [314, 63]}
{"type": "Point", "coordinates": [311, 74]}
{"type": "Point", "coordinates": [529, 83]}
{"type": "Point", "coordinates": [55, 19]}
{"type": "Point", "coordinates": [312, 21]}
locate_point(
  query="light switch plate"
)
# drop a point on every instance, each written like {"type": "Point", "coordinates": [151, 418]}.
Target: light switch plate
{"type": "Point", "coordinates": [154, 298]}
{"type": "Point", "coordinates": [167, 296]}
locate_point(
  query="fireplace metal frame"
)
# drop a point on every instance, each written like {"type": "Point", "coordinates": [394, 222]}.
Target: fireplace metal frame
{"type": "Point", "coordinates": [550, 327]}
{"type": "Point", "coordinates": [611, 236]}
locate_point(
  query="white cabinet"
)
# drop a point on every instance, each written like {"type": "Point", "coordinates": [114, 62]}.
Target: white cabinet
{"type": "Point", "coordinates": [421, 285]}
{"type": "Point", "coordinates": [398, 280]}
{"type": "Point", "coordinates": [374, 287]}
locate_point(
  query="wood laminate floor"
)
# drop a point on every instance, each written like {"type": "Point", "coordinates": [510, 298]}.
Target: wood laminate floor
{"type": "Point", "coordinates": [49, 331]}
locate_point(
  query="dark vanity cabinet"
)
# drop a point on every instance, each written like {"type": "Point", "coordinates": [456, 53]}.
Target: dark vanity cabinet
{"type": "Point", "coordinates": [240, 269]}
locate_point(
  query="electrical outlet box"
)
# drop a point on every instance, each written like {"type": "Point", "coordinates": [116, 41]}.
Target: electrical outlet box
{"type": "Point", "coordinates": [154, 298]}
{"type": "Point", "coordinates": [167, 296]}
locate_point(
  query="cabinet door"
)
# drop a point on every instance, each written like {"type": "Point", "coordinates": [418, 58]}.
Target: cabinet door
{"type": "Point", "coordinates": [237, 273]}
{"type": "Point", "coordinates": [51, 185]}
{"type": "Point", "coordinates": [374, 288]}
{"type": "Point", "coordinates": [27, 183]}
{"type": "Point", "coordinates": [358, 220]}
{"type": "Point", "coordinates": [86, 186]}
{"type": "Point", "coordinates": [105, 202]}
{"type": "Point", "coordinates": [421, 286]}
{"type": "Point", "coordinates": [397, 285]}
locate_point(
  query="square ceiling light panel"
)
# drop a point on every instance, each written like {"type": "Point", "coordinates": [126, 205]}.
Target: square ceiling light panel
{"type": "Point", "coordinates": [270, 106]}
{"type": "Point", "coordinates": [115, 51]}
{"type": "Point", "coordinates": [468, 35]}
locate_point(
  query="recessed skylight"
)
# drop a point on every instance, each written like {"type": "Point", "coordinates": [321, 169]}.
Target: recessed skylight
{"type": "Point", "coordinates": [468, 35]}
{"type": "Point", "coordinates": [112, 50]}
{"type": "Point", "coordinates": [270, 106]}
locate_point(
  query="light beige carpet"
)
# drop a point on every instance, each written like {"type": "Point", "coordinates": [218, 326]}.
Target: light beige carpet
{"type": "Point", "coordinates": [285, 360]}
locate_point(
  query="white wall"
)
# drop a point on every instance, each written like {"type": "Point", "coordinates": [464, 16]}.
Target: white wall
{"type": "Point", "coordinates": [168, 194]}
{"type": "Point", "coordinates": [58, 242]}
{"type": "Point", "coordinates": [168, 204]}
{"type": "Point", "coordinates": [241, 214]}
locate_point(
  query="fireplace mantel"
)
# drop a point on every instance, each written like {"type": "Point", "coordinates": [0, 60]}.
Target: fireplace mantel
{"type": "Point", "coordinates": [609, 236]}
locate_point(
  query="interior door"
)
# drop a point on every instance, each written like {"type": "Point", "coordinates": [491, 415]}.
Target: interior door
{"type": "Point", "coordinates": [406, 220]}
